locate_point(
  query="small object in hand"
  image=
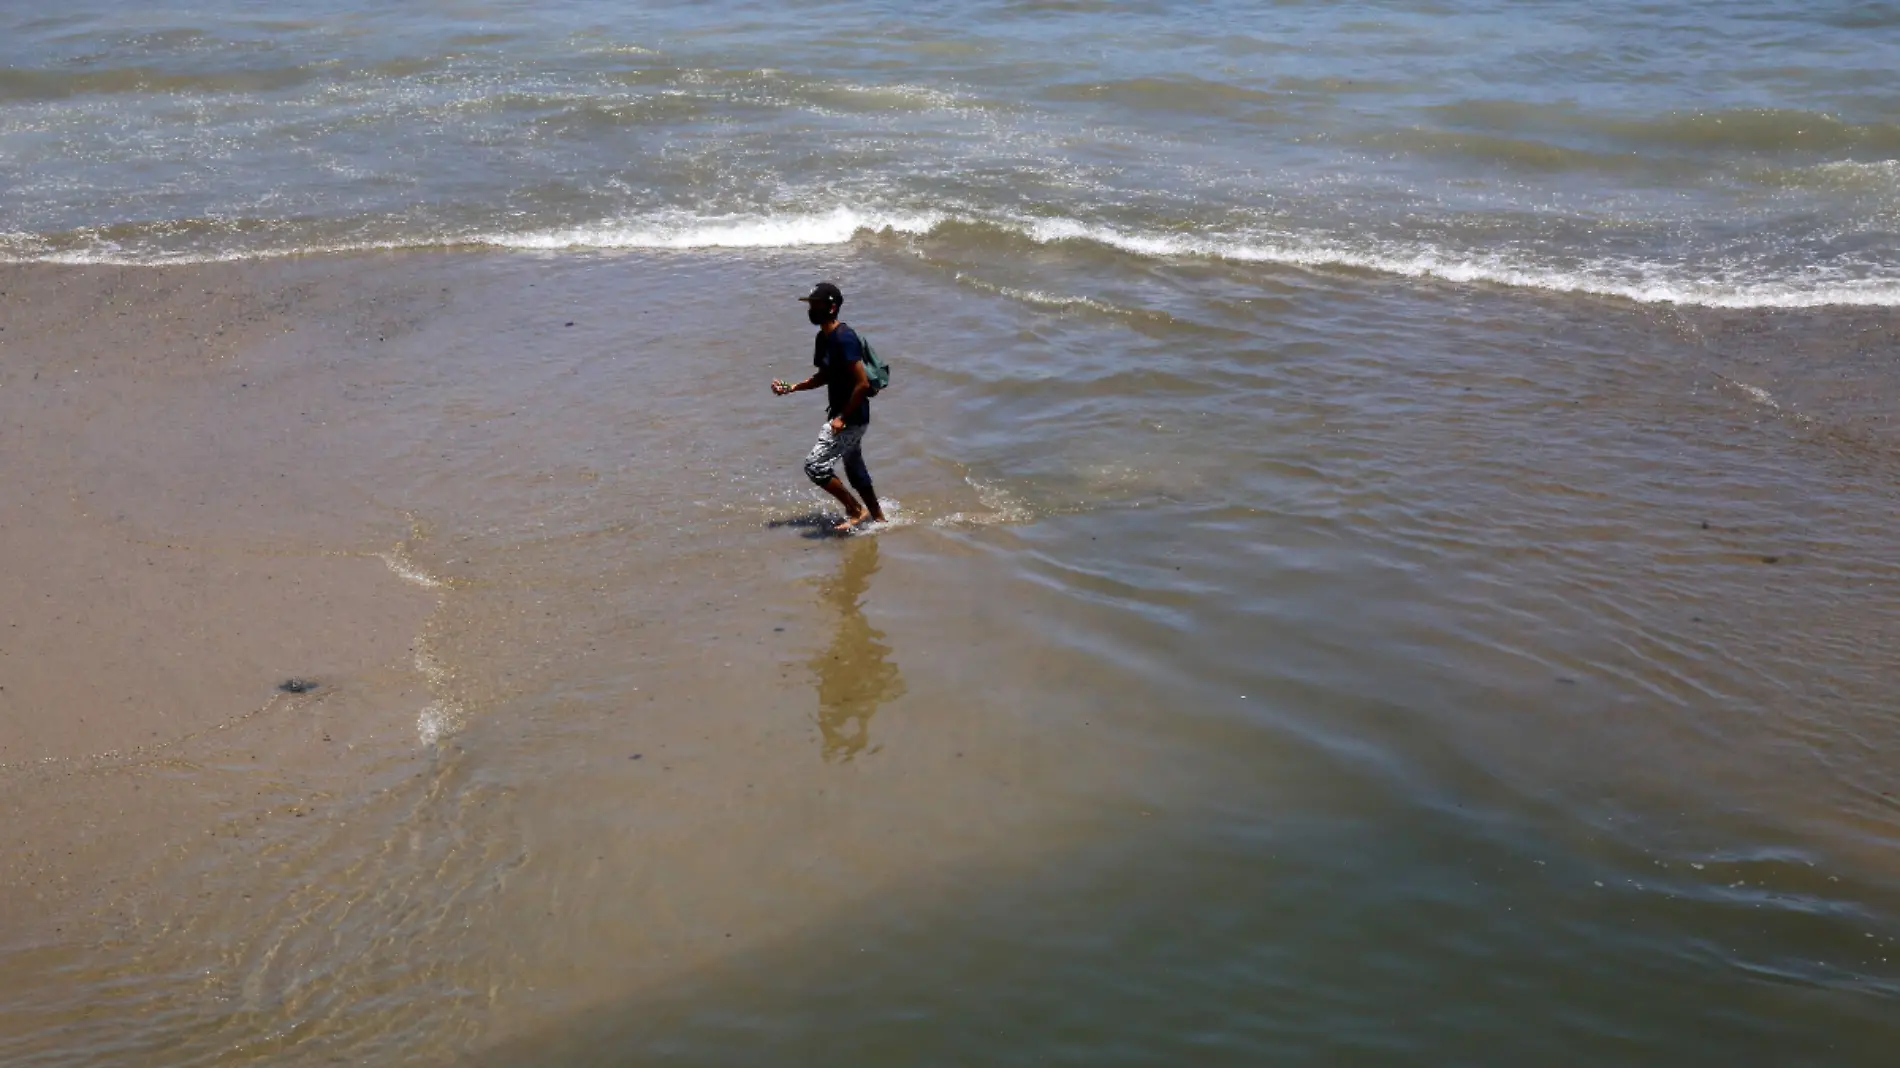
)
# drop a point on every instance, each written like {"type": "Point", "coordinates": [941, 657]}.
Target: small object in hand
{"type": "Point", "coordinates": [297, 685]}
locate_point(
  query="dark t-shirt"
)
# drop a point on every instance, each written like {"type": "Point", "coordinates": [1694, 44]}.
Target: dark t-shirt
{"type": "Point", "coordinates": [834, 353]}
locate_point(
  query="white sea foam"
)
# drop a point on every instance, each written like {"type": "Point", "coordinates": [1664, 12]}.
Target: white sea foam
{"type": "Point", "coordinates": [1759, 395]}
{"type": "Point", "coordinates": [442, 716]}
{"type": "Point", "coordinates": [895, 518]}
{"type": "Point", "coordinates": [1041, 299]}
{"type": "Point", "coordinates": [835, 227]}
{"type": "Point", "coordinates": [1643, 283]}
{"type": "Point", "coordinates": [436, 722]}
{"type": "Point", "coordinates": [1647, 283]}
{"type": "Point", "coordinates": [1000, 508]}
{"type": "Point", "coordinates": [399, 563]}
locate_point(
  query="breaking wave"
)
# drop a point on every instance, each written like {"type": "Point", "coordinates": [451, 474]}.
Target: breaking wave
{"type": "Point", "coordinates": [1628, 279]}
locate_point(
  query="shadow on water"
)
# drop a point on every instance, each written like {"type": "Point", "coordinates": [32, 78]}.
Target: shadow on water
{"type": "Point", "coordinates": [814, 525]}
{"type": "Point", "coordinates": [854, 672]}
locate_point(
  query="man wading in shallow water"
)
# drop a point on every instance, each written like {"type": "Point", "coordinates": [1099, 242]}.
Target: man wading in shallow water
{"type": "Point", "coordinates": [839, 356]}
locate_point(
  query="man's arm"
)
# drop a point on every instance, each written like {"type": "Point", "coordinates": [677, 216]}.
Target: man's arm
{"type": "Point", "coordinates": [782, 388]}
{"type": "Point", "coordinates": [860, 388]}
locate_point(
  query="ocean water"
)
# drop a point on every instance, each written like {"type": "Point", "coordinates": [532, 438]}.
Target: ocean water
{"type": "Point", "coordinates": [1737, 154]}
{"type": "Point", "coordinates": [1396, 558]}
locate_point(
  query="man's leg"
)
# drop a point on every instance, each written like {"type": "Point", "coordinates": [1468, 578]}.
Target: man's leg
{"type": "Point", "coordinates": [853, 511]}
{"type": "Point", "coordinates": [860, 478]}
{"type": "Point", "coordinates": [821, 464]}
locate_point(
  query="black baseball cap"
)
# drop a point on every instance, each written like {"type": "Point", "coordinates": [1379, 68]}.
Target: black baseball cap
{"type": "Point", "coordinates": [827, 292]}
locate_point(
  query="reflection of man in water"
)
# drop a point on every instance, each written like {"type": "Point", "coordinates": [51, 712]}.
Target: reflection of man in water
{"type": "Point", "coordinates": [855, 673]}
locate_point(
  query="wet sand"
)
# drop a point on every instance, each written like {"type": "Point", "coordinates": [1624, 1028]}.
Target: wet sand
{"type": "Point", "coordinates": [153, 609]}
{"type": "Point", "coordinates": [605, 729]}
{"type": "Point", "coordinates": [231, 486]}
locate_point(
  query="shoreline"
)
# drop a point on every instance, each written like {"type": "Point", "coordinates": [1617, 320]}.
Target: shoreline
{"type": "Point", "coordinates": [850, 230]}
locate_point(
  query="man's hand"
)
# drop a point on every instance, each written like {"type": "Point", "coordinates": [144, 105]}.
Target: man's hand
{"type": "Point", "coordinates": [838, 423]}
{"type": "Point", "coordinates": [781, 387]}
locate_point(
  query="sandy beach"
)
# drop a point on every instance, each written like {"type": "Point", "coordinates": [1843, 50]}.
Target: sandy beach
{"type": "Point", "coordinates": [164, 577]}
{"type": "Point", "coordinates": [1393, 555]}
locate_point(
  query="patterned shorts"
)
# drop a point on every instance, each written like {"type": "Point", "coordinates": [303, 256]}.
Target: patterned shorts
{"type": "Point", "coordinates": [821, 464]}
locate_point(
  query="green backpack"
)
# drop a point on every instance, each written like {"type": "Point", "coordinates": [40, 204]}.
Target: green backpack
{"type": "Point", "coordinates": [875, 369]}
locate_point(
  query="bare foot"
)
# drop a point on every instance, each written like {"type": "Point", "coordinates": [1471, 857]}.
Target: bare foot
{"type": "Point", "coordinates": [850, 524]}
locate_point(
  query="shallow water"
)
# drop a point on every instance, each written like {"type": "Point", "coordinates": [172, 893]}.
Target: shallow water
{"type": "Point", "coordinates": [1314, 630]}
{"type": "Point", "coordinates": [1517, 698]}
